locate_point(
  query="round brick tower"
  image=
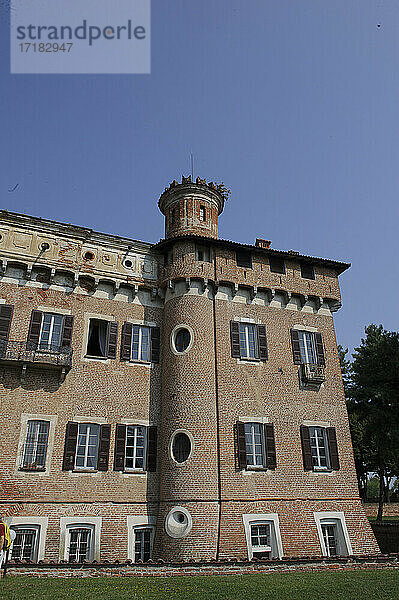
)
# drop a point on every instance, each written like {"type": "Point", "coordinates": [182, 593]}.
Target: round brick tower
{"type": "Point", "coordinates": [187, 526]}
{"type": "Point", "coordinates": [191, 208]}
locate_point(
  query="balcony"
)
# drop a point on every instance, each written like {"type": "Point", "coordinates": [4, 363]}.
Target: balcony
{"type": "Point", "coordinates": [311, 373]}
{"type": "Point", "coordinates": [44, 356]}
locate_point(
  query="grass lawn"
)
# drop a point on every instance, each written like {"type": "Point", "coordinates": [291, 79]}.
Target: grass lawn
{"type": "Point", "coordinates": [344, 585]}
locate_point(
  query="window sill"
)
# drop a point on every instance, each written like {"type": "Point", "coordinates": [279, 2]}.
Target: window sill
{"type": "Point", "coordinates": [139, 363]}
{"type": "Point", "coordinates": [134, 472]}
{"type": "Point", "coordinates": [91, 357]}
{"type": "Point", "coordinates": [250, 469]}
{"type": "Point", "coordinates": [249, 361]}
{"type": "Point", "coordinates": [30, 470]}
{"type": "Point", "coordinates": [85, 470]}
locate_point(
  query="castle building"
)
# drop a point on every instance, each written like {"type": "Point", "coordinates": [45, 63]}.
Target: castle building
{"type": "Point", "coordinates": [179, 400]}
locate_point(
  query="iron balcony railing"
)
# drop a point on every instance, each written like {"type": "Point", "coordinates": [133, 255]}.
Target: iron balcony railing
{"type": "Point", "coordinates": [312, 373]}
{"type": "Point", "coordinates": [28, 352]}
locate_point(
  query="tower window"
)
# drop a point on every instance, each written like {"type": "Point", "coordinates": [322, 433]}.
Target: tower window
{"type": "Point", "coordinates": [277, 265]}
{"type": "Point", "coordinates": [244, 259]}
{"type": "Point", "coordinates": [307, 271]}
{"type": "Point", "coordinates": [181, 447]}
{"type": "Point", "coordinates": [203, 254]}
{"type": "Point", "coordinates": [173, 216]}
{"type": "Point", "coordinates": [202, 213]}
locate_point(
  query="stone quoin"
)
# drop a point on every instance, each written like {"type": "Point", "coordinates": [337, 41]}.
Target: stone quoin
{"type": "Point", "coordinates": [179, 401]}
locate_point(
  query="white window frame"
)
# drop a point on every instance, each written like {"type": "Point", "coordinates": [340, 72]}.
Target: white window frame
{"type": "Point", "coordinates": [138, 521]}
{"type": "Point", "coordinates": [255, 467]}
{"type": "Point", "coordinates": [320, 467]}
{"type": "Point", "coordinates": [36, 530]}
{"type": "Point", "coordinates": [35, 444]}
{"type": "Point", "coordinates": [262, 548]}
{"type": "Point", "coordinates": [302, 333]}
{"type": "Point", "coordinates": [38, 523]}
{"type": "Point", "coordinates": [337, 519]}
{"type": "Point", "coordinates": [270, 519]}
{"type": "Point", "coordinates": [245, 326]}
{"type": "Point", "coordinates": [68, 523]}
{"type": "Point", "coordinates": [85, 467]}
{"type": "Point", "coordinates": [50, 342]}
{"type": "Point", "coordinates": [134, 468]}
{"type": "Point", "coordinates": [90, 545]}
{"type": "Point", "coordinates": [139, 359]}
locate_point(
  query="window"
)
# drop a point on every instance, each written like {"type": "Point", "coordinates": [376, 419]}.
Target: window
{"type": "Point", "coordinates": [330, 538]}
{"type": "Point", "coordinates": [182, 339]}
{"type": "Point", "coordinates": [202, 213]}
{"type": "Point", "coordinates": [80, 538]}
{"type": "Point", "coordinates": [277, 265]}
{"type": "Point", "coordinates": [319, 448]}
{"type": "Point", "coordinates": [25, 544]}
{"type": "Point", "coordinates": [102, 338]}
{"type": "Point", "coordinates": [173, 216]}
{"type": "Point", "coordinates": [318, 445]}
{"type": "Point", "coordinates": [49, 332]}
{"type": "Point", "coordinates": [86, 447]}
{"type": "Point", "coordinates": [333, 534]}
{"type": "Point", "coordinates": [255, 444]}
{"type": "Point", "coordinates": [80, 543]}
{"type": "Point", "coordinates": [244, 259]}
{"type": "Point", "coordinates": [140, 343]}
{"type": "Point", "coordinates": [307, 347]}
{"type": "Point", "coordinates": [307, 271]}
{"type": "Point", "coordinates": [203, 254]}
{"type": "Point", "coordinates": [261, 539]}
{"type": "Point", "coordinates": [181, 447]}
{"type": "Point", "coordinates": [143, 541]}
{"type": "Point", "coordinates": [135, 448]}
{"type": "Point", "coordinates": [248, 341]}
{"type": "Point", "coordinates": [6, 312]}
{"type": "Point", "coordinates": [262, 532]}
{"type": "Point", "coordinates": [35, 446]}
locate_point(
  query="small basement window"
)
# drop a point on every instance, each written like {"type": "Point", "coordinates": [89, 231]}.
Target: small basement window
{"type": "Point", "coordinates": [244, 259]}
{"type": "Point", "coordinates": [277, 265]}
{"type": "Point", "coordinates": [307, 271]}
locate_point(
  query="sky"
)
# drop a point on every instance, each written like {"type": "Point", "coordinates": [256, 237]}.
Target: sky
{"type": "Point", "coordinates": [293, 104]}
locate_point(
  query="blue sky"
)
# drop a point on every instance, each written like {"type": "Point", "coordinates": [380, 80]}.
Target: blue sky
{"type": "Point", "coordinates": [292, 103]}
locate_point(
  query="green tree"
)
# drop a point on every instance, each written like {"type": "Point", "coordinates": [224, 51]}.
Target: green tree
{"type": "Point", "coordinates": [373, 404]}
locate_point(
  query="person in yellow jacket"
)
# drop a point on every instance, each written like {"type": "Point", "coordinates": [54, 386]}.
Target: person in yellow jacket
{"type": "Point", "coordinates": [5, 540]}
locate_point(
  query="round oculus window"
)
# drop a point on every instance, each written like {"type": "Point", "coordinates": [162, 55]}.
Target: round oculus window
{"type": "Point", "coordinates": [182, 339]}
{"type": "Point", "coordinates": [178, 522]}
{"type": "Point", "coordinates": [88, 255]}
{"type": "Point", "coordinates": [128, 263]}
{"type": "Point", "coordinates": [181, 447]}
